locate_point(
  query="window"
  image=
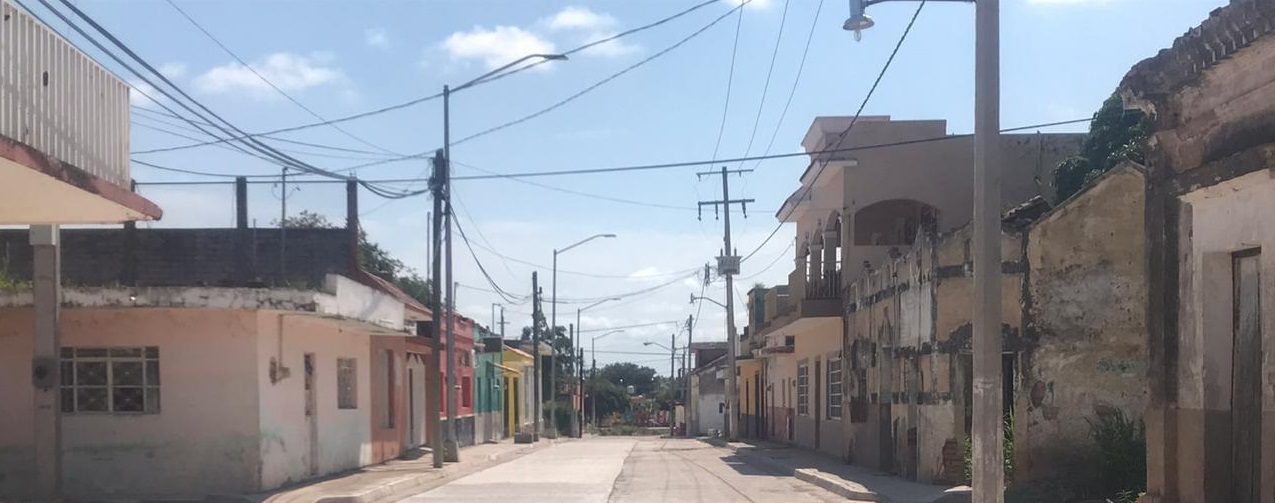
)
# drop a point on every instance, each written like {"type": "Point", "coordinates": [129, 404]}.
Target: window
{"type": "Point", "coordinates": [834, 388]}
{"type": "Point", "coordinates": [110, 380]}
{"type": "Point", "coordinates": [803, 389]}
{"type": "Point", "coordinates": [347, 396]}
{"type": "Point", "coordinates": [466, 392]}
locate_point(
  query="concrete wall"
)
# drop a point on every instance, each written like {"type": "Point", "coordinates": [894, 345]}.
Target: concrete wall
{"type": "Point", "coordinates": [708, 396]}
{"type": "Point", "coordinates": [389, 412]}
{"type": "Point", "coordinates": [205, 437]}
{"type": "Point", "coordinates": [1087, 351]}
{"type": "Point", "coordinates": [344, 435]}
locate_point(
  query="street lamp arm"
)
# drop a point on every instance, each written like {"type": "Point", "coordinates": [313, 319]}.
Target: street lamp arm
{"type": "Point", "coordinates": [586, 240]}
{"type": "Point", "coordinates": [485, 76]}
{"type": "Point", "coordinates": [596, 304]}
{"type": "Point", "coordinates": [695, 298]}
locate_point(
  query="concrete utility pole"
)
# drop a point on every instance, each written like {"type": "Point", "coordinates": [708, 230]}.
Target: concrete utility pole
{"type": "Point", "coordinates": [672, 384]}
{"type": "Point", "coordinates": [553, 323]}
{"type": "Point", "coordinates": [580, 386]}
{"type": "Point", "coordinates": [989, 424]}
{"type": "Point", "coordinates": [536, 317]}
{"type": "Point", "coordinates": [686, 374]}
{"type": "Point", "coordinates": [452, 446]}
{"type": "Point", "coordinates": [988, 427]}
{"type": "Point", "coordinates": [433, 385]}
{"type": "Point", "coordinates": [45, 374]}
{"type": "Point", "coordinates": [728, 266]}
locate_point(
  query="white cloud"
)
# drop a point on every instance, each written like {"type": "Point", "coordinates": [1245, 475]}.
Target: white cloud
{"type": "Point", "coordinates": [173, 70]}
{"type": "Point", "coordinates": [376, 37]}
{"type": "Point", "coordinates": [143, 95]}
{"type": "Point", "coordinates": [288, 71]}
{"type": "Point", "coordinates": [496, 46]}
{"type": "Point", "coordinates": [585, 26]}
{"type": "Point", "coordinates": [580, 18]}
{"type": "Point", "coordinates": [754, 4]}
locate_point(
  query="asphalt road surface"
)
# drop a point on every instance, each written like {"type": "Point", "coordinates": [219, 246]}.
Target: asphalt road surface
{"type": "Point", "coordinates": [624, 469]}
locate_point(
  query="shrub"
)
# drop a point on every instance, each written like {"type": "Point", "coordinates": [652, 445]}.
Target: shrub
{"type": "Point", "coordinates": [1122, 453]}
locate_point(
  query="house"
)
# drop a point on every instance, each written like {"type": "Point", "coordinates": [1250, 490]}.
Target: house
{"type": "Point", "coordinates": [172, 388]}
{"type": "Point", "coordinates": [1209, 204]}
{"type": "Point", "coordinates": [705, 407]}
{"type": "Point", "coordinates": [462, 367]}
{"type": "Point", "coordinates": [860, 205]}
{"type": "Point", "coordinates": [489, 382]}
{"type": "Point", "coordinates": [64, 159]}
{"type": "Point", "coordinates": [519, 401]}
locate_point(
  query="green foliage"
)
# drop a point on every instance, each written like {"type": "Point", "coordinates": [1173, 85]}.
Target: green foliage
{"type": "Point", "coordinates": [629, 430]}
{"type": "Point", "coordinates": [630, 374]}
{"type": "Point", "coordinates": [372, 258]}
{"type": "Point", "coordinates": [1122, 453]}
{"type": "Point", "coordinates": [611, 398]}
{"type": "Point", "coordinates": [1007, 450]}
{"type": "Point", "coordinates": [1114, 135]}
{"type": "Point", "coordinates": [558, 413]}
{"type": "Point", "coordinates": [8, 284]}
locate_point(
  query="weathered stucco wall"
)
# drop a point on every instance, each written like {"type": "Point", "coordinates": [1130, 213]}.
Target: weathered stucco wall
{"type": "Point", "coordinates": [203, 440]}
{"type": "Point", "coordinates": [343, 435]}
{"type": "Point", "coordinates": [1086, 349]}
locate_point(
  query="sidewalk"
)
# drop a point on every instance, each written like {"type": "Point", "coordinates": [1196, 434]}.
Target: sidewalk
{"type": "Point", "coordinates": [395, 479]}
{"type": "Point", "coordinates": [852, 482]}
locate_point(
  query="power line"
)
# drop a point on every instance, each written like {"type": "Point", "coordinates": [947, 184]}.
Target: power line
{"type": "Point", "coordinates": [623, 327]}
{"type": "Point", "coordinates": [771, 264]}
{"type": "Point", "coordinates": [730, 80]}
{"type": "Point", "coordinates": [854, 120]}
{"type": "Point", "coordinates": [580, 193]}
{"type": "Point", "coordinates": [650, 167]}
{"type": "Point", "coordinates": [797, 80]}
{"type": "Point", "coordinates": [424, 99]}
{"type": "Point", "coordinates": [765, 89]}
{"type": "Point", "coordinates": [504, 295]}
{"type": "Point", "coordinates": [269, 83]}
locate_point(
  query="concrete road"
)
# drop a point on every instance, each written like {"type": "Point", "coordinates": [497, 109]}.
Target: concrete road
{"type": "Point", "coordinates": [620, 469]}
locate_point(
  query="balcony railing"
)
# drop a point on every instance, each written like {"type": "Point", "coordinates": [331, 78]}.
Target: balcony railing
{"type": "Point", "coordinates": [59, 101]}
{"type": "Point", "coordinates": [826, 286]}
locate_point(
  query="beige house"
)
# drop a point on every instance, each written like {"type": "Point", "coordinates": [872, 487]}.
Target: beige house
{"type": "Point", "coordinates": [1210, 204]}
{"type": "Point", "coordinates": [863, 200]}
{"type": "Point", "coordinates": [64, 147]}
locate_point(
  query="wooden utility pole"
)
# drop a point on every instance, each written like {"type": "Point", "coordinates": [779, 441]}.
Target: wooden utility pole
{"type": "Point", "coordinates": [686, 373]}
{"type": "Point", "coordinates": [536, 317]}
{"type": "Point", "coordinates": [728, 266]}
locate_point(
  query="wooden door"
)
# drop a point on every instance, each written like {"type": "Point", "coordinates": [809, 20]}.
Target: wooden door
{"type": "Point", "coordinates": [1246, 378]}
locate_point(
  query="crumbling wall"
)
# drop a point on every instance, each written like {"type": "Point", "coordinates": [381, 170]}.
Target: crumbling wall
{"type": "Point", "coordinates": [1086, 340]}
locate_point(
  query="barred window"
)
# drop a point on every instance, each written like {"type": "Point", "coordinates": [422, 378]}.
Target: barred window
{"type": "Point", "coordinates": [110, 380]}
{"type": "Point", "coordinates": [347, 383]}
{"type": "Point", "coordinates": [803, 389]}
{"type": "Point", "coordinates": [834, 388]}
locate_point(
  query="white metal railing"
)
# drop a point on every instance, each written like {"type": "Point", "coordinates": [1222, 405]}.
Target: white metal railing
{"type": "Point", "coordinates": [59, 101]}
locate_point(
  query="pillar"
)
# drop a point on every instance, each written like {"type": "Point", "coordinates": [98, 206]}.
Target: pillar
{"type": "Point", "coordinates": [816, 263]}
{"type": "Point", "coordinates": [45, 374]}
{"type": "Point", "coordinates": [831, 240]}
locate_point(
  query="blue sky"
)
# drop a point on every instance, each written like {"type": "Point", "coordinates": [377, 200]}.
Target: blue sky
{"type": "Point", "coordinates": [1060, 59]}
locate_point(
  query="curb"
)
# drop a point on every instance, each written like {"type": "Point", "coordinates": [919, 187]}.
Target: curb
{"type": "Point", "coordinates": [810, 476]}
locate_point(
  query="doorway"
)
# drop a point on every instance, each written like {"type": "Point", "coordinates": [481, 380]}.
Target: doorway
{"type": "Point", "coordinates": [311, 414]}
{"type": "Point", "coordinates": [1246, 377]}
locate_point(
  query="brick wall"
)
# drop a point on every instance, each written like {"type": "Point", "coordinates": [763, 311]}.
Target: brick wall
{"type": "Point", "coordinates": [186, 257]}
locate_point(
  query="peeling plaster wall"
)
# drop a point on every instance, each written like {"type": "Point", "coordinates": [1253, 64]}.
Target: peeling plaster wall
{"type": "Point", "coordinates": [203, 440]}
{"type": "Point", "coordinates": [1087, 339]}
{"type": "Point", "coordinates": [344, 435]}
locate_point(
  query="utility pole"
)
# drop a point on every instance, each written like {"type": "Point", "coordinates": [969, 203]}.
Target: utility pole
{"type": "Point", "coordinates": [502, 322]}
{"type": "Point", "coordinates": [453, 453]}
{"type": "Point", "coordinates": [686, 374]}
{"type": "Point", "coordinates": [283, 226]}
{"type": "Point", "coordinates": [989, 423]}
{"type": "Point", "coordinates": [728, 266]}
{"type": "Point", "coordinates": [672, 384]}
{"type": "Point", "coordinates": [580, 384]}
{"type": "Point", "coordinates": [536, 317]}
{"type": "Point", "coordinates": [433, 385]}
{"type": "Point", "coordinates": [573, 429]}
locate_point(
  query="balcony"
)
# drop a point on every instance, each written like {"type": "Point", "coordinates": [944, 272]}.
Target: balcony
{"type": "Point", "coordinates": [64, 132]}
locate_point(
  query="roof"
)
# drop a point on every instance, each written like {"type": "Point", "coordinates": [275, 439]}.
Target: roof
{"type": "Point", "coordinates": [1226, 31]}
{"type": "Point", "coordinates": [393, 290]}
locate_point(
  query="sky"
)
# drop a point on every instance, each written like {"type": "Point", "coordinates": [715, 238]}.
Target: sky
{"type": "Point", "coordinates": [709, 98]}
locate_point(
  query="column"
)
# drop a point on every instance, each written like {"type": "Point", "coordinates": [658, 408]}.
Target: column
{"type": "Point", "coordinates": [46, 377]}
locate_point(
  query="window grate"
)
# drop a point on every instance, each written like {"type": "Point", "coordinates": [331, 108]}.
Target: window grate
{"type": "Point", "coordinates": [122, 380]}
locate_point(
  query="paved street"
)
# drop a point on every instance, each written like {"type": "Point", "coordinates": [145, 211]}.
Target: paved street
{"type": "Point", "coordinates": [627, 470]}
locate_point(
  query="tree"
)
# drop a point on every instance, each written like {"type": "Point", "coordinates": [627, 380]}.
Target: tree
{"type": "Point", "coordinates": [611, 398]}
{"type": "Point", "coordinates": [630, 374]}
{"type": "Point", "coordinates": [1115, 135]}
{"type": "Point", "coordinates": [372, 258]}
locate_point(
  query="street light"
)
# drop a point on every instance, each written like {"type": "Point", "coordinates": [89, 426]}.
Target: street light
{"type": "Point", "coordinates": [988, 466]}
{"type": "Point", "coordinates": [696, 297]}
{"type": "Point", "coordinates": [593, 355]}
{"type": "Point", "coordinates": [441, 186]}
{"type": "Point", "coordinates": [553, 324]}
{"type": "Point", "coordinates": [576, 416]}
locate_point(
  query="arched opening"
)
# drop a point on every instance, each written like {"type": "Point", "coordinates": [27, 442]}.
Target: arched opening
{"type": "Point", "coordinates": [892, 222]}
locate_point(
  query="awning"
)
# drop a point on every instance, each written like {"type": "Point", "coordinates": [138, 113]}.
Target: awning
{"type": "Point", "coordinates": [506, 369]}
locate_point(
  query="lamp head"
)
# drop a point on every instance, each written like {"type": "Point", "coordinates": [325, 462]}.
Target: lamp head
{"type": "Point", "coordinates": [858, 20]}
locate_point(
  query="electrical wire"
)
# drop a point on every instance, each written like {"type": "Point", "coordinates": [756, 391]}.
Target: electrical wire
{"type": "Point", "coordinates": [801, 67]}
{"type": "Point", "coordinates": [625, 327]}
{"type": "Point", "coordinates": [137, 108]}
{"type": "Point", "coordinates": [854, 120]}
{"type": "Point", "coordinates": [272, 84]}
{"type": "Point", "coordinates": [730, 80]}
{"type": "Point", "coordinates": [765, 89]}
{"type": "Point", "coordinates": [771, 264]}
{"type": "Point", "coordinates": [431, 97]}
{"type": "Point", "coordinates": [504, 295]}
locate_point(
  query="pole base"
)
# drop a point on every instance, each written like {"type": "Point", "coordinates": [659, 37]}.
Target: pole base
{"type": "Point", "coordinates": [451, 451]}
